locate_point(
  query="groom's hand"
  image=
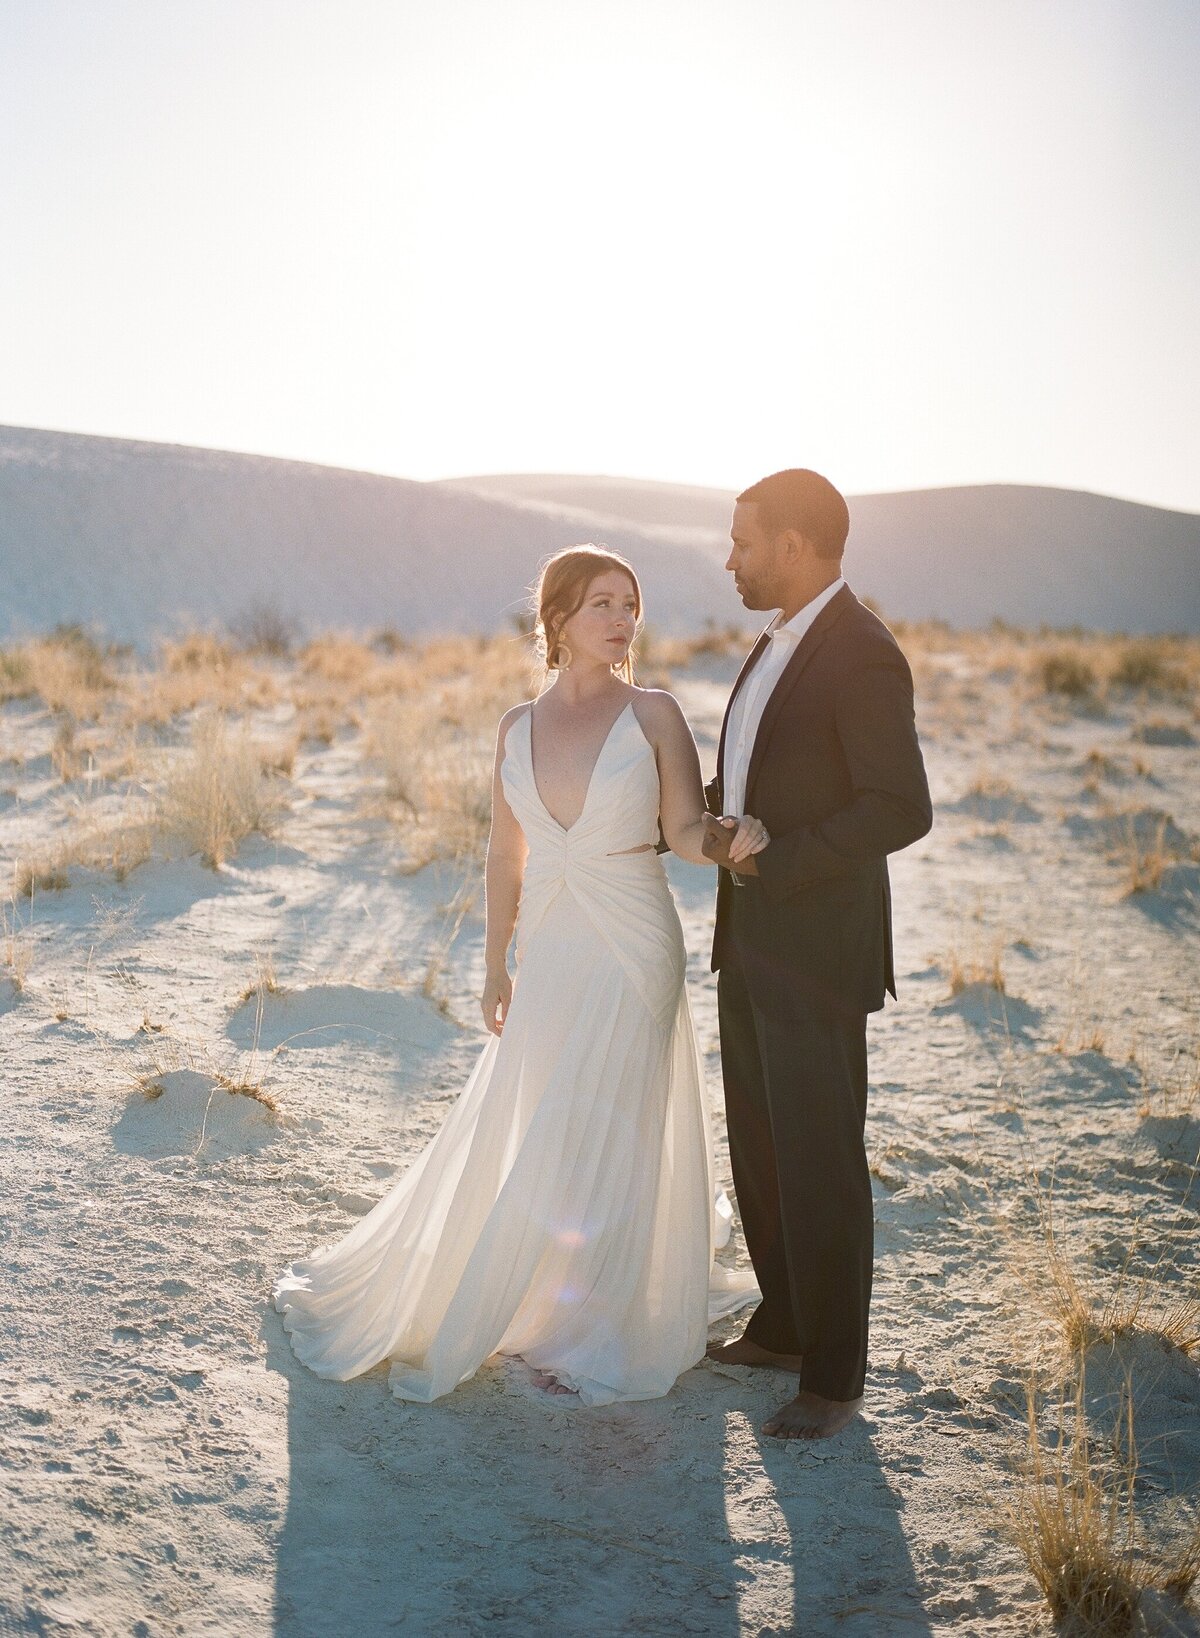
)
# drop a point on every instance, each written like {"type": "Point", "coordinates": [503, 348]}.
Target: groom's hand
{"type": "Point", "coordinates": [716, 842]}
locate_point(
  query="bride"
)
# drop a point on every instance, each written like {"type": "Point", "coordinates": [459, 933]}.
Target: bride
{"type": "Point", "coordinates": [567, 1210]}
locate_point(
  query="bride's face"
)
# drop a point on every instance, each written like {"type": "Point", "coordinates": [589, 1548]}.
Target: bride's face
{"type": "Point", "coordinates": [602, 628]}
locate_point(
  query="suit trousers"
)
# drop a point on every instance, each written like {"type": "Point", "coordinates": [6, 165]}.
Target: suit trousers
{"type": "Point", "coordinates": [796, 1101]}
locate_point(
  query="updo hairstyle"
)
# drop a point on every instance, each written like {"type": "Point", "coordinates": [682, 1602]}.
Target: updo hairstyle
{"type": "Point", "coordinates": [562, 585]}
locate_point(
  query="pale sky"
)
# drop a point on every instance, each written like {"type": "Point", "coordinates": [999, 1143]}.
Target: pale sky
{"type": "Point", "coordinates": [907, 242]}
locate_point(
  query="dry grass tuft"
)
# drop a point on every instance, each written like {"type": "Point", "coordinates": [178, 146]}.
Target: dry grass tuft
{"type": "Point", "coordinates": [67, 670]}
{"type": "Point", "coordinates": [460, 907]}
{"type": "Point", "coordinates": [15, 680]}
{"type": "Point", "coordinates": [1066, 671]}
{"type": "Point", "coordinates": [434, 743]}
{"type": "Point", "coordinates": [216, 794]}
{"type": "Point", "coordinates": [338, 658]}
{"type": "Point", "coordinates": [1088, 1039]}
{"type": "Point", "coordinates": [1178, 1092]}
{"type": "Point", "coordinates": [962, 971]}
{"type": "Point", "coordinates": [264, 981]}
{"type": "Point", "coordinates": [196, 651]}
{"type": "Point", "coordinates": [247, 1089]}
{"type": "Point", "coordinates": [657, 653]}
{"type": "Point", "coordinates": [1136, 1305]}
{"type": "Point", "coordinates": [1156, 664]}
{"type": "Point", "coordinates": [192, 671]}
{"type": "Point", "coordinates": [990, 786]}
{"type": "Point", "coordinates": [15, 944]}
{"type": "Point", "coordinates": [1075, 1523]}
{"type": "Point", "coordinates": [1146, 858]}
{"type": "Point", "coordinates": [44, 875]}
{"type": "Point", "coordinates": [264, 630]}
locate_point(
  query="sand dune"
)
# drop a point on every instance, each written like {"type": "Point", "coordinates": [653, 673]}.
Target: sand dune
{"type": "Point", "coordinates": [1021, 553]}
{"type": "Point", "coordinates": [141, 537]}
{"type": "Point", "coordinates": [138, 537]}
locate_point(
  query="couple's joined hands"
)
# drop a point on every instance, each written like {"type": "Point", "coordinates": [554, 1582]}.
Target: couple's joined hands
{"type": "Point", "coordinates": [733, 842]}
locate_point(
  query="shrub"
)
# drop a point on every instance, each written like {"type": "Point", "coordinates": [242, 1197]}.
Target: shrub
{"type": "Point", "coordinates": [1062, 672]}
{"type": "Point", "coordinates": [1148, 663]}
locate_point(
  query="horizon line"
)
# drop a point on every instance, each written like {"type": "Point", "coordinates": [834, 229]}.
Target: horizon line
{"type": "Point", "coordinates": [673, 483]}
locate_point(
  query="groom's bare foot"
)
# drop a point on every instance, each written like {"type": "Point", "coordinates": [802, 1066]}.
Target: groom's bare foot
{"type": "Point", "coordinates": [550, 1383]}
{"type": "Point", "coordinates": [744, 1352]}
{"type": "Point", "coordinates": [809, 1416]}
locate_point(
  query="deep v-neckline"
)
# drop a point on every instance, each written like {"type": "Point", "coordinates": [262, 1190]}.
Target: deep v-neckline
{"type": "Point", "coordinates": [567, 829]}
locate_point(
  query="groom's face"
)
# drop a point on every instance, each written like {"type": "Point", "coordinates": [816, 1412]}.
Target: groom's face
{"type": "Point", "coordinates": [757, 559]}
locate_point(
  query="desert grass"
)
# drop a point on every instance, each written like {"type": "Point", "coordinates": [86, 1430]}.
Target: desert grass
{"type": "Point", "coordinates": [1146, 857]}
{"type": "Point", "coordinates": [151, 1087]}
{"type": "Point", "coordinates": [1070, 667]}
{"type": "Point", "coordinates": [434, 744]}
{"type": "Point", "coordinates": [1158, 665]}
{"type": "Point", "coordinates": [14, 943]}
{"type": "Point", "coordinates": [1075, 1520]}
{"type": "Point", "coordinates": [15, 680]}
{"type": "Point", "coordinates": [48, 872]}
{"type": "Point", "coordinates": [114, 842]}
{"type": "Point", "coordinates": [1142, 1304]}
{"type": "Point", "coordinates": [216, 794]}
{"type": "Point", "coordinates": [965, 969]}
{"type": "Point", "coordinates": [1073, 1511]}
{"type": "Point", "coordinates": [989, 785]}
{"type": "Point", "coordinates": [1175, 1093]}
{"type": "Point", "coordinates": [264, 629]}
{"type": "Point", "coordinates": [658, 654]}
{"type": "Point", "coordinates": [195, 671]}
{"type": "Point", "coordinates": [67, 670]}
{"type": "Point", "coordinates": [203, 798]}
{"type": "Point", "coordinates": [1065, 671]}
{"type": "Point", "coordinates": [433, 983]}
{"type": "Point", "coordinates": [1082, 1038]}
{"type": "Point", "coordinates": [167, 1051]}
{"type": "Point", "coordinates": [243, 1088]}
{"type": "Point", "coordinates": [264, 982]}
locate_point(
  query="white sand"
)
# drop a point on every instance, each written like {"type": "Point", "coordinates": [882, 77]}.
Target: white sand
{"type": "Point", "coordinates": [170, 1468]}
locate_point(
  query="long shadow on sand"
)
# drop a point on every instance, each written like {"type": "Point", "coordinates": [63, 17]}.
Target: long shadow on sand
{"type": "Point", "coordinates": [495, 1511]}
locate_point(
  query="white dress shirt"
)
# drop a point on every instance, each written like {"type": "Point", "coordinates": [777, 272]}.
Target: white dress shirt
{"type": "Point", "coordinates": [746, 712]}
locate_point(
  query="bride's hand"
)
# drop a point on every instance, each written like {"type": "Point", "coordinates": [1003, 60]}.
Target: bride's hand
{"type": "Point", "coordinates": [496, 999]}
{"type": "Point", "coordinates": [750, 837]}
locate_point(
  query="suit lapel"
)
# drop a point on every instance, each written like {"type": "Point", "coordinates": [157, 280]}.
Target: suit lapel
{"type": "Point", "coordinates": [790, 675]}
{"type": "Point", "coordinates": [747, 666]}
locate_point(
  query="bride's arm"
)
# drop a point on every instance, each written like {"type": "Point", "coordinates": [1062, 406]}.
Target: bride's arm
{"type": "Point", "coordinates": [506, 854]}
{"type": "Point", "coordinates": [682, 807]}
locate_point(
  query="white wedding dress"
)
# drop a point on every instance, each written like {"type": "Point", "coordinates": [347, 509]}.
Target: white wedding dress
{"type": "Point", "coordinates": [566, 1210]}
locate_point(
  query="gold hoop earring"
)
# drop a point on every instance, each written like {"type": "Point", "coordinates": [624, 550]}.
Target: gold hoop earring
{"type": "Point", "coordinates": [561, 657]}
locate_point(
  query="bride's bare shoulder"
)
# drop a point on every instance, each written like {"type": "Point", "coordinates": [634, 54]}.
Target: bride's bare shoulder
{"type": "Point", "coordinates": [659, 713]}
{"type": "Point", "coordinates": [514, 714]}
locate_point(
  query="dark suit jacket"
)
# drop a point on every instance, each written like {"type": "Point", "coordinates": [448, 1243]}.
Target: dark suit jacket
{"type": "Point", "coordinates": [837, 777]}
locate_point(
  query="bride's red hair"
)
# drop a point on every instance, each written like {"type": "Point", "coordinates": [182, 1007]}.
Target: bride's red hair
{"type": "Point", "coordinates": [562, 586]}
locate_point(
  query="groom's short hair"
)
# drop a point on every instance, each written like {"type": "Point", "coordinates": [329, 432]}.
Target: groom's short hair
{"type": "Point", "coordinates": [805, 501]}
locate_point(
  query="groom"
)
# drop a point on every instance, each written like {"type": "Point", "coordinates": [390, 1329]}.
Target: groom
{"type": "Point", "coordinates": [818, 743]}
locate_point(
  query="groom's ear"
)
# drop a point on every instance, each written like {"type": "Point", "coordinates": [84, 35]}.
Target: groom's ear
{"type": "Point", "coordinates": [797, 547]}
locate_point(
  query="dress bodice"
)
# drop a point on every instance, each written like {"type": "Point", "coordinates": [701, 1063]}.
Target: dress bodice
{"type": "Point", "coordinates": [620, 809]}
{"type": "Point", "coordinates": [624, 893]}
